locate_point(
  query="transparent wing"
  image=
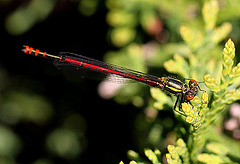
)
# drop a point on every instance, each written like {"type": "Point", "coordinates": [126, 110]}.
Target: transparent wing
{"type": "Point", "coordinates": [116, 75]}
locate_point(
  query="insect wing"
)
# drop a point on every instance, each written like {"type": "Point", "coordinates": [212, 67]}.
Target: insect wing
{"type": "Point", "coordinates": [95, 69]}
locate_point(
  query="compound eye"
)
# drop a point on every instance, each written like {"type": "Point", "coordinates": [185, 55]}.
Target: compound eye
{"type": "Point", "coordinates": [192, 81]}
{"type": "Point", "coordinates": [189, 96]}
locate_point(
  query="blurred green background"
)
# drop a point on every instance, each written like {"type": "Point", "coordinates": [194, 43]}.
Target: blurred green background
{"type": "Point", "coordinates": [48, 116]}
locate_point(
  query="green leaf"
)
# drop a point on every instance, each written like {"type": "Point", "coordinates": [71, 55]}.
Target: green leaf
{"type": "Point", "coordinates": [210, 11]}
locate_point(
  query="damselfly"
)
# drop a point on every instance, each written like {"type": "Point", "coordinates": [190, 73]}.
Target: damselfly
{"type": "Point", "coordinates": [184, 92]}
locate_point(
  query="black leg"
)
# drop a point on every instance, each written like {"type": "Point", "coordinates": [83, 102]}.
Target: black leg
{"type": "Point", "coordinates": [180, 106]}
{"type": "Point", "coordinates": [200, 89]}
{"type": "Point", "coordinates": [182, 101]}
{"type": "Point", "coordinates": [198, 104]}
{"type": "Point", "coordinates": [184, 80]}
{"type": "Point", "coordinates": [176, 103]}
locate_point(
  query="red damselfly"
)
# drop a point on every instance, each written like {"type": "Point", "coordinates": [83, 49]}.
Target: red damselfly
{"type": "Point", "coordinates": [184, 92]}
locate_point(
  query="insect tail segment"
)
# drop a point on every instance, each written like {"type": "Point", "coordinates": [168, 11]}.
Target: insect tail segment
{"type": "Point", "coordinates": [36, 52]}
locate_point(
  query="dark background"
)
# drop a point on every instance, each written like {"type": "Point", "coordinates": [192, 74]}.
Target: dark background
{"type": "Point", "coordinates": [109, 126]}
